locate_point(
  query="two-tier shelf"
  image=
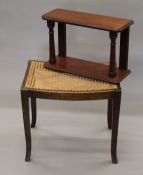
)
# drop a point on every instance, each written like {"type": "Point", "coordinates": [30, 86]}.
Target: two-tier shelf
{"type": "Point", "coordinates": [111, 73]}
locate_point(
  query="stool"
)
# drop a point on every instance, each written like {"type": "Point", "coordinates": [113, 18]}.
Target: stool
{"type": "Point", "coordinates": [43, 83]}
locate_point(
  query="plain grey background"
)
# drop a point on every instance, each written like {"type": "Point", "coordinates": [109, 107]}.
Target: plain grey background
{"type": "Point", "coordinates": [70, 137]}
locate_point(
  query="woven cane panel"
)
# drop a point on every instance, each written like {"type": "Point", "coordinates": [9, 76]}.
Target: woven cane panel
{"type": "Point", "coordinates": [47, 80]}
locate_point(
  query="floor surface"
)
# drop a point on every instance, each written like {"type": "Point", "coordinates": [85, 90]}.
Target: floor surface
{"type": "Point", "coordinates": [70, 142]}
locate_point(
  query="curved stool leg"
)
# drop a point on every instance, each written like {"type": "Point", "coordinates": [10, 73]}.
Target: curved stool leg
{"type": "Point", "coordinates": [26, 120]}
{"type": "Point", "coordinates": [116, 112]}
{"type": "Point", "coordinates": [34, 112]}
{"type": "Point", "coordinates": [110, 112]}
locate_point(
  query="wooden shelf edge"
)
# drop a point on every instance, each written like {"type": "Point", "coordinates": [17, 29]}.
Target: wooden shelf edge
{"type": "Point", "coordinates": [86, 69]}
{"type": "Point", "coordinates": [101, 22]}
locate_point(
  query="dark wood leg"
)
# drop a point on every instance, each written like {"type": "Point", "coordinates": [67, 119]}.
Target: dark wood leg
{"type": "Point", "coordinates": [110, 112]}
{"type": "Point", "coordinates": [112, 66]}
{"type": "Point", "coordinates": [34, 112]}
{"type": "Point", "coordinates": [116, 112]}
{"type": "Point", "coordinates": [26, 120]}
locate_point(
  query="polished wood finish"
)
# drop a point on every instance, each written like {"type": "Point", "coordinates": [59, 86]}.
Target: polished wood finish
{"type": "Point", "coordinates": [34, 112]}
{"type": "Point", "coordinates": [124, 49]}
{"type": "Point", "coordinates": [33, 94]}
{"type": "Point", "coordinates": [110, 113]}
{"type": "Point", "coordinates": [26, 120]}
{"type": "Point", "coordinates": [112, 67]}
{"type": "Point", "coordinates": [111, 24]}
{"type": "Point", "coordinates": [51, 25]}
{"type": "Point", "coordinates": [115, 122]}
{"type": "Point", "coordinates": [62, 39]}
{"type": "Point", "coordinates": [88, 20]}
{"type": "Point", "coordinates": [87, 69]}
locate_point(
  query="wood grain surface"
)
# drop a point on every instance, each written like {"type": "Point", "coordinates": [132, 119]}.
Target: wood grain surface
{"type": "Point", "coordinates": [88, 20]}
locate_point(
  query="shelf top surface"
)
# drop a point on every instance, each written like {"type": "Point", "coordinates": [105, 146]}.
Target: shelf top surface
{"type": "Point", "coordinates": [88, 20]}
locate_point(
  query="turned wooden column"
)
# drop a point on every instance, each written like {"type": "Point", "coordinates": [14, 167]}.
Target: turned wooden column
{"type": "Point", "coordinates": [52, 58]}
{"type": "Point", "coordinates": [112, 67]}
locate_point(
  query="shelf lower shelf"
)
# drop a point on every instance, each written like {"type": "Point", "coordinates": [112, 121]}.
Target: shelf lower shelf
{"type": "Point", "coordinates": [87, 69]}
